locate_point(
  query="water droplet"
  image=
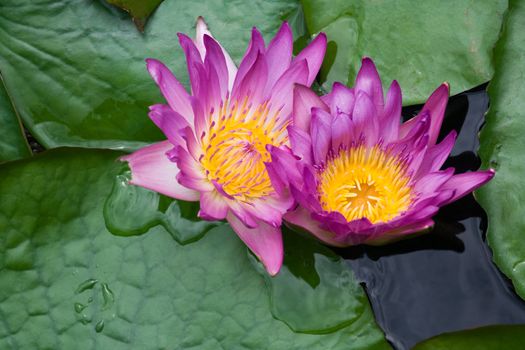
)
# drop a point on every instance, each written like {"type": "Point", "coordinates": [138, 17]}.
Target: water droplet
{"type": "Point", "coordinates": [99, 326]}
{"type": "Point", "coordinates": [90, 300]}
{"type": "Point", "coordinates": [85, 319]}
{"type": "Point", "coordinates": [87, 284]}
{"type": "Point", "coordinates": [108, 296]}
{"type": "Point", "coordinates": [79, 307]}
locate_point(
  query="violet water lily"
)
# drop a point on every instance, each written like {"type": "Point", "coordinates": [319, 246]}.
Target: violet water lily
{"type": "Point", "coordinates": [358, 174]}
{"type": "Point", "coordinates": [218, 134]}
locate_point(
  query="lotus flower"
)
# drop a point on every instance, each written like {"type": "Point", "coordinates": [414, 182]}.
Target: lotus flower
{"type": "Point", "coordinates": [358, 175]}
{"type": "Point", "coordinates": [217, 135]}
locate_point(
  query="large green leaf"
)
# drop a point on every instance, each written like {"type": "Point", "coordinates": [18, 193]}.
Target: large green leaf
{"type": "Point", "coordinates": [419, 43]}
{"type": "Point", "coordinates": [13, 144]}
{"type": "Point", "coordinates": [76, 72]}
{"type": "Point", "coordinates": [484, 338]}
{"type": "Point", "coordinates": [67, 283]}
{"type": "Point", "coordinates": [502, 147]}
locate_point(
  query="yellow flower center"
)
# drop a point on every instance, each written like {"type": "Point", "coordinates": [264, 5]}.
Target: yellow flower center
{"type": "Point", "coordinates": [363, 182]}
{"type": "Point", "coordinates": [235, 149]}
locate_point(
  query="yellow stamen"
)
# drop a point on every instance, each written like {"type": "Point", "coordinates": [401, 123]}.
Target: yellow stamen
{"type": "Point", "coordinates": [235, 148]}
{"type": "Point", "coordinates": [364, 182]}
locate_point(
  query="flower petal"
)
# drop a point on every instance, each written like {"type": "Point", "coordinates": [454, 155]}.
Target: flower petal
{"type": "Point", "coordinates": [151, 169]}
{"type": "Point", "coordinates": [435, 107]}
{"type": "Point", "coordinates": [265, 241]}
{"type": "Point", "coordinates": [368, 80]}
{"type": "Point", "coordinates": [216, 61]}
{"type": "Point", "coordinates": [391, 117]}
{"type": "Point", "coordinates": [193, 61]}
{"type": "Point", "coordinates": [304, 100]}
{"type": "Point", "coordinates": [174, 92]}
{"type": "Point", "coordinates": [279, 54]}
{"type": "Point", "coordinates": [301, 143]}
{"type": "Point", "coordinates": [201, 30]}
{"type": "Point", "coordinates": [170, 122]}
{"type": "Point", "coordinates": [314, 55]}
{"type": "Point", "coordinates": [365, 119]}
{"type": "Point", "coordinates": [255, 47]}
{"type": "Point", "coordinates": [342, 99]}
{"type": "Point", "coordinates": [302, 218]}
{"type": "Point", "coordinates": [321, 131]}
{"type": "Point", "coordinates": [465, 183]}
{"type": "Point", "coordinates": [213, 206]}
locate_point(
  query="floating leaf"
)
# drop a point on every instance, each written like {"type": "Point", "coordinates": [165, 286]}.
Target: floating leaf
{"type": "Point", "coordinates": [421, 44]}
{"type": "Point", "coordinates": [502, 147]}
{"type": "Point", "coordinates": [75, 69]}
{"type": "Point", "coordinates": [67, 283]}
{"type": "Point", "coordinates": [13, 144]}
{"type": "Point", "coordinates": [484, 338]}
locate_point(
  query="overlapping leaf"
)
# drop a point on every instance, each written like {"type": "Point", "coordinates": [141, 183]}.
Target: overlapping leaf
{"type": "Point", "coordinates": [419, 43]}
{"type": "Point", "coordinates": [67, 283]}
{"type": "Point", "coordinates": [502, 147]}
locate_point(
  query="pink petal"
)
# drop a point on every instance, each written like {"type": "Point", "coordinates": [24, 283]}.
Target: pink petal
{"type": "Point", "coordinates": [391, 118]}
{"type": "Point", "coordinates": [342, 99]}
{"type": "Point", "coordinates": [213, 206]}
{"type": "Point", "coordinates": [282, 91]}
{"type": "Point", "coordinates": [201, 30]}
{"type": "Point", "coordinates": [193, 61]}
{"type": "Point", "coordinates": [170, 122]}
{"type": "Point", "coordinates": [301, 143]}
{"type": "Point", "coordinates": [435, 106]}
{"type": "Point", "coordinates": [302, 218]}
{"type": "Point", "coordinates": [255, 47]}
{"type": "Point", "coordinates": [365, 118]}
{"type": "Point", "coordinates": [437, 154]}
{"type": "Point", "coordinates": [264, 241]}
{"type": "Point", "coordinates": [304, 100]}
{"type": "Point", "coordinates": [151, 169]}
{"type": "Point", "coordinates": [342, 131]}
{"type": "Point", "coordinates": [321, 132]}
{"type": "Point", "coordinates": [175, 94]}
{"type": "Point", "coordinates": [215, 60]}
{"type": "Point", "coordinates": [368, 80]}
{"type": "Point", "coordinates": [279, 54]}
{"type": "Point", "coordinates": [314, 55]}
{"type": "Point", "coordinates": [188, 165]}
{"type": "Point", "coordinates": [254, 81]}
{"type": "Point", "coordinates": [465, 183]}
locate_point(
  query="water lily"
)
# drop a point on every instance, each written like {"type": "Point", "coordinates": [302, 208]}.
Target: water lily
{"type": "Point", "coordinates": [217, 134]}
{"type": "Point", "coordinates": [358, 174]}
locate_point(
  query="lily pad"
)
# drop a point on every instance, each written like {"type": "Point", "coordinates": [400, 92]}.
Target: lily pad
{"type": "Point", "coordinates": [139, 10]}
{"type": "Point", "coordinates": [13, 144]}
{"type": "Point", "coordinates": [315, 291]}
{"type": "Point", "coordinates": [502, 145]}
{"type": "Point", "coordinates": [75, 69]}
{"type": "Point", "coordinates": [420, 43]}
{"type": "Point", "coordinates": [484, 338]}
{"type": "Point", "coordinates": [67, 283]}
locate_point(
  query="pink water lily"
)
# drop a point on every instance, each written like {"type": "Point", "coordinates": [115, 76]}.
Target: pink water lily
{"type": "Point", "coordinates": [217, 134]}
{"type": "Point", "coordinates": [358, 174]}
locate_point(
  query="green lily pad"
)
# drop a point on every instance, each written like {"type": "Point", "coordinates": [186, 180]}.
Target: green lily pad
{"type": "Point", "coordinates": [502, 145]}
{"type": "Point", "coordinates": [75, 69]}
{"type": "Point", "coordinates": [315, 291]}
{"type": "Point", "coordinates": [67, 283]}
{"type": "Point", "coordinates": [13, 144]}
{"type": "Point", "coordinates": [484, 338]}
{"type": "Point", "coordinates": [419, 43]}
{"type": "Point", "coordinates": [139, 10]}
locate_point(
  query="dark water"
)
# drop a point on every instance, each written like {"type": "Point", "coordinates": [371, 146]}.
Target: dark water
{"type": "Point", "coordinates": [443, 281]}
